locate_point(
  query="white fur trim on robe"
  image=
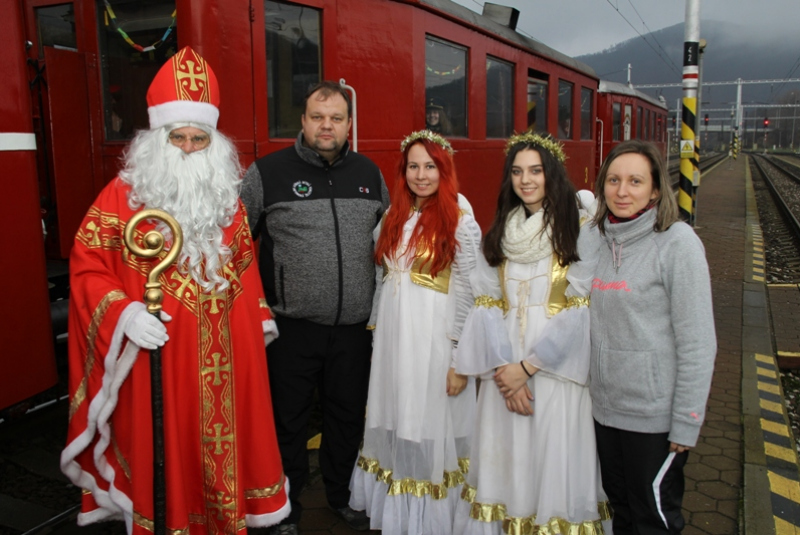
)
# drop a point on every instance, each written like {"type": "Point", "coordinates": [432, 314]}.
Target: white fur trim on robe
{"type": "Point", "coordinates": [114, 504]}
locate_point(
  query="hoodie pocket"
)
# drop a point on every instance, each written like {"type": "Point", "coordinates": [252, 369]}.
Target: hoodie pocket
{"type": "Point", "coordinates": [631, 379]}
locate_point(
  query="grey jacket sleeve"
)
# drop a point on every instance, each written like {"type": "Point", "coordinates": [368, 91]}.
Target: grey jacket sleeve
{"type": "Point", "coordinates": [688, 284]}
{"type": "Point", "coordinates": [252, 196]}
{"type": "Point", "coordinates": [384, 194]}
{"type": "Point", "coordinates": [376, 297]}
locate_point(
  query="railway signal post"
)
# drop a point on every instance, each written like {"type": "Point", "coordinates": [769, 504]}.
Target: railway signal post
{"type": "Point", "coordinates": [690, 158]}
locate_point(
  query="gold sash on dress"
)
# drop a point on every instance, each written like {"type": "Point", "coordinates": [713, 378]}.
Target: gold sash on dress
{"type": "Point", "coordinates": [556, 298]}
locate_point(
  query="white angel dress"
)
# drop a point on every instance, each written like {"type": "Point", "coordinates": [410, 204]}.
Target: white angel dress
{"type": "Point", "coordinates": [532, 474]}
{"type": "Point", "coordinates": [415, 453]}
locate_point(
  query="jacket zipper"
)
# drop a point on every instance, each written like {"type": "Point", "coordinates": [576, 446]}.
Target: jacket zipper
{"type": "Point", "coordinates": [338, 248]}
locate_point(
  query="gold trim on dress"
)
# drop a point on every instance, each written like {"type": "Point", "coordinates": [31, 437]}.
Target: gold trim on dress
{"type": "Point", "coordinates": [266, 492]}
{"type": "Point", "coordinates": [489, 302]}
{"type": "Point", "coordinates": [417, 488]}
{"type": "Point", "coordinates": [421, 274]}
{"type": "Point", "coordinates": [91, 337]}
{"type": "Point", "coordinates": [501, 276]}
{"type": "Point", "coordinates": [147, 524]}
{"type": "Point", "coordinates": [486, 512]}
{"type": "Point", "coordinates": [556, 300]}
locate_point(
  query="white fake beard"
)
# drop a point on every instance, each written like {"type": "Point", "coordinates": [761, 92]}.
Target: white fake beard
{"type": "Point", "coordinates": [200, 190]}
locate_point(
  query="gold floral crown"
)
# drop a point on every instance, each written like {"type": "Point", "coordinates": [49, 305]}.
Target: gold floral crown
{"type": "Point", "coordinates": [552, 146]}
{"type": "Point", "coordinates": [428, 136]}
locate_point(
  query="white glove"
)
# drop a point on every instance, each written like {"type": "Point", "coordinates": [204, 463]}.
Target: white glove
{"type": "Point", "coordinates": [146, 331]}
{"type": "Point", "coordinates": [270, 331]}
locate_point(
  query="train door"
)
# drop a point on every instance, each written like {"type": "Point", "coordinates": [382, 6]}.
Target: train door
{"type": "Point", "coordinates": [627, 123]}
{"type": "Point", "coordinates": [61, 120]}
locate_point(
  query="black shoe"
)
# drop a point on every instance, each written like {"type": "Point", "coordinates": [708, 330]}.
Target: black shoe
{"type": "Point", "coordinates": [357, 520]}
{"type": "Point", "coordinates": [283, 529]}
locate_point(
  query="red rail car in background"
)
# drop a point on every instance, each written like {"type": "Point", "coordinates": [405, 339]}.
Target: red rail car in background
{"type": "Point", "coordinates": [79, 87]}
{"type": "Point", "coordinates": [627, 113]}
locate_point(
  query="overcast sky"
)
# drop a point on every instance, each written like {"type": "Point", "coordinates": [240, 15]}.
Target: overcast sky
{"type": "Point", "coordinates": [577, 27]}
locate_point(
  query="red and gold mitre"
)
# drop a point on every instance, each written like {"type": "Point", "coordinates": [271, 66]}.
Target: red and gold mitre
{"type": "Point", "coordinates": [184, 90]}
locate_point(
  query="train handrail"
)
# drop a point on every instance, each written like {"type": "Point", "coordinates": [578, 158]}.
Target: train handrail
{"type": "Point", "coordinates": [355, 112]}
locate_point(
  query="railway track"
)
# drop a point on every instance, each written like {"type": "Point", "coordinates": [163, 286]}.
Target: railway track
{"type": "Point", "coordinates": [706, 161]}
{"type": "Point", "coordinates": [780, 219]}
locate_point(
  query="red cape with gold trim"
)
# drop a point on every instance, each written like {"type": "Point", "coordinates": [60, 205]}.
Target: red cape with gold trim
{"type": "Point", "coordinates": [223, 468]}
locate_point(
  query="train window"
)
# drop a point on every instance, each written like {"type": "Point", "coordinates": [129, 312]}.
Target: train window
{"type": "Point", "coordinates": [652, 121]}
{"type": "Point", "coordinates": [499, 98]}
{"type": "Point", "coordinates": [586, 113]}
{"type": "Point", "coordinates": [647, 128]}
{"type": "Point", "coordinates": [565, 90]}
{"type": "Point", "coordinates": [55, 26]}
{"type": "Point", "coordinates": [445, 87]}
{"type": "Point", "coordinates": [293, 63]}
{"type": "Point", "coordinates": [616, 119]}
{"type": "Point", "coordinates": [136, 39]}
{"type": "Point", "coordinates": [639, 119]}
{"type": "Point", "coordinates": [537, 100]}
{"type": "Point", "coordinates": [658, 127]}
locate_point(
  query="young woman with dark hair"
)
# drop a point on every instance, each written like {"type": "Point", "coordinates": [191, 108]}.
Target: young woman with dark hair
{"type": "Point", "coordinates": [653, 340]}
{"type": "Point", "coordinates": [533, 460]}
{"type": "Point", "coordinates": [420, 412]}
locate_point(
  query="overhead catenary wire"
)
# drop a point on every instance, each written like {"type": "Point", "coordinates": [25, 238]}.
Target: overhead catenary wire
{"type": "Point", "coordinates": [668, 62]}
{"type": "Point", "coordinates": [651, 33]}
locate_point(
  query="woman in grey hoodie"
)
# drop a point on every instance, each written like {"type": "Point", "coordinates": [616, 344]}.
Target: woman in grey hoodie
{"type": "Point", "coordinates": [653, 341]}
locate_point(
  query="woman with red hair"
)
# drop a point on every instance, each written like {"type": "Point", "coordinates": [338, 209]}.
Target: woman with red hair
{"type": "Point", "coordinates": [420, 412]}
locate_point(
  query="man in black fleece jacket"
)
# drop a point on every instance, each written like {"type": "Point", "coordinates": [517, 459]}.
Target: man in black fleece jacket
{"type": "Point", "coordinates": [314, 206]}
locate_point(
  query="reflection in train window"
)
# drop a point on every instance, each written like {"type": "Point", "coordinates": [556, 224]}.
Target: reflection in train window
{"type": "Point", "coordinates": [136, 39]}
{"type": "Point", "coordinates": [564, 109]}
{"type": "Point", "coordinates": [499, 98]}
{"type": "Point", "coordinates": [293, 63]}
{"type": "Point", "coordinates": [639, 120]}
{"type": "Point", "coordinates": [616, 118]}
{"type": "Point", "coordinates": [586, 113]}
{"type": "Point", "coordinates": [55, 26]}
{"type": "Point", "coordinates": [537, 100]}
{"type": "Point", "coordinates": [445, 87]}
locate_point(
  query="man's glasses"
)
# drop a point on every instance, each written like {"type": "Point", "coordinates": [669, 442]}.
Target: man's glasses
{"type": "Point", "coordinates": [199, 142]}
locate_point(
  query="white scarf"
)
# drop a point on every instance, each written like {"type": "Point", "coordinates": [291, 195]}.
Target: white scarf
{"type": "Point", "coordinates": [523, 239]}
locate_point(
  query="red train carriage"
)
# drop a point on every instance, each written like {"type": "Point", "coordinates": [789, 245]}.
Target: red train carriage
{"type": "Point", "coordinates": [627, 113]}
{"type": "Point", "coordinates": [90, 63]}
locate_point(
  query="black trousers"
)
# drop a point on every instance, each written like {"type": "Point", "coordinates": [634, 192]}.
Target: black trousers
{"type": "Point", "coordinates": [644, 483]}
{"type": "Point", "coordinates": [334, 360]}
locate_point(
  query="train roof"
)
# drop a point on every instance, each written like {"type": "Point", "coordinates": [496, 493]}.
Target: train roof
{"type": "Point", "coordinates": [475, 19]}
{"type": "Point", "coordinates": [624, 89]}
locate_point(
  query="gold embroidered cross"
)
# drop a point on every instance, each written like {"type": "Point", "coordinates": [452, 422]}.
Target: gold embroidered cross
{"type": "Point", "coordinates": [220, 506]}
{"type": "Point", "coordinates": [185, 281]}
{"type": "Point", "coordinates": [216, 296]}
{"type": "Point", "coordinates": [217, 368]}
{"type": "Point", "coordinates": [191, 75]}
{"type": "Point", "coordinates": [218, 439]}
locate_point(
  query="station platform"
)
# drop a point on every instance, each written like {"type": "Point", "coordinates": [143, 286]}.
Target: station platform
{"type": "Point", "coordinates": [741, 478]}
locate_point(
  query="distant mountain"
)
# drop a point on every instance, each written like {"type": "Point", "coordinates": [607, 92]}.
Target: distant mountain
{"type": "Point", "coordinates": [726, 58]}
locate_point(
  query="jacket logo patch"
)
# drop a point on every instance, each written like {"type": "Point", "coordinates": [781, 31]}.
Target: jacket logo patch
{"type": "Point", "coordinates": [598, 284]}
{"type": "Point", "coordinates": [362, 189]}
{"type": "Point", "coordinates": [301, 188]}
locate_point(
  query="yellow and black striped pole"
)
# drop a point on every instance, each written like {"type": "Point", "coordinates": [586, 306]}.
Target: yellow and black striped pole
{"type": "Point", "coordinates": [690, 158]}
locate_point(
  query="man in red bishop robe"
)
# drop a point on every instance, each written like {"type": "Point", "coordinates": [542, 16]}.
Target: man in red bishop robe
{"type": "Point", "coordinates": [223, 468]}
